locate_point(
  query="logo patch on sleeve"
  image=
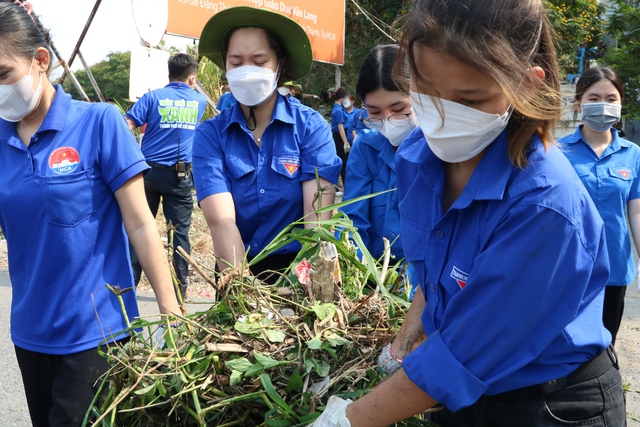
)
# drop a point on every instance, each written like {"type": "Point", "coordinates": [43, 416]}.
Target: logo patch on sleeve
{"type": "Point", "coordinates": [290, 164]}
{"type": "Point", "coordinates": [64, 160]}
{"type": "Point", "coordinates": [459, 276]}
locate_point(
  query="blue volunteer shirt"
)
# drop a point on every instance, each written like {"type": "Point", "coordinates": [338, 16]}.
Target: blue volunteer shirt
{"type": "Point", "coordinates": [612, 180]}
{"type": "Point", "coordinates": [63, 225]}
{"type": "Point", "coordinates": [513, 273]}
{"type": "Point", "coordinates": [356, 121]}
{"type": "Point", "coordinates": [172, 115]}
{"type": "Point", "coordinates": [348, 124]}
{"type": "Point", "coordinates": [225, 101]}
{"type": "Point", "coordinates": [338, 116]}
{"type": "Point", "coordinates": [265, 181]}
{"type": "Point", "coordinates": [372, 169]}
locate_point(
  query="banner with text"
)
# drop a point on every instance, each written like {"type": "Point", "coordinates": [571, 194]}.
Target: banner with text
{"type": "Point", "coordinates": [322, 20]}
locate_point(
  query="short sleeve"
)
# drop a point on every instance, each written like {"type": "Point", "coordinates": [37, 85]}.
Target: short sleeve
{"type": "Point", "coordinates": [208, 161]}
{"type": "Point", "coordinates": [139, 113]}
{"type": "Point", "coordinates": [318, 150]}
{"type": "Point", "coordinates": [120, 156]}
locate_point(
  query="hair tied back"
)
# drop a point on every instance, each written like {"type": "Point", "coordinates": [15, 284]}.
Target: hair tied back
{"type": "Point", "coordinates": [26, 6]}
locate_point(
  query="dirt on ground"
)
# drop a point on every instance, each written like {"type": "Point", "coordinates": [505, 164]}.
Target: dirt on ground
{"type": "Point", "coordinates": [201, 253]}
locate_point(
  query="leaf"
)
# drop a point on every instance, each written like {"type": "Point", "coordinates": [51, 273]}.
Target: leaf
{"type": "Point", "coordinates": [275, 422]}
{"type": "Point", "coordinates": [161, 388]}
{"type": "Point", "coordinates": [274, 335]}
{"type": "Point", "coordinates": [295, 383]}
{"type": "Point", "coordinates": [254, 370]}
{"type": "Point", "coordinates": [315, 343]}
{"type": "Point", "coordinates": [249, 328]}
{"type": "Point", "coordinates": [239, 365]}
{"type": "Point", "coordinates": [277, 399]}
{"type": "Point", "coordinates": [323, 310]}
{"type": "Point", "coordinates": [321, 367]}
{"type": "Point", "coordinates": [145, 390]}
{"type": "Point", "coordinates": [236, 378]}
{"type": "Point", "coordinates": [265, 361]}
{"type": "Point", "coordinates": [336, 340]}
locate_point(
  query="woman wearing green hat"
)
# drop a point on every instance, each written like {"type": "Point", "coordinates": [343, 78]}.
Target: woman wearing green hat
{"type": "Point", "coordinates": [254, 164]}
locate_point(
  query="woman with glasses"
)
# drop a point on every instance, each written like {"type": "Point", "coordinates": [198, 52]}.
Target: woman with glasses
{"type": "Point", "coordinates": [371, 168]}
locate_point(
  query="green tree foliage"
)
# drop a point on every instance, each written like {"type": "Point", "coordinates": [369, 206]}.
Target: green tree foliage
{"type": "Point", "coordinates": [624, 27]}
{"type": "Point", "coordinates": [210, 77]}
{"type": "Point", "coordinates": [111, 75]}
{"type": "Point", "coordinates": [575, 22]}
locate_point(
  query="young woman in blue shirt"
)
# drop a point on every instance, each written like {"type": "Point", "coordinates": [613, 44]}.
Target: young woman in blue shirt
{"type": "Point", "coordinates": [371, 166]}
{"type": "Point", "coordinates": [351, 111]}
{"type": "Point", "coordinates": [339, 127]}
{"type": "Point", "coordinates": [508, 247]}
{"type": "Point", "coordinates": [254, 165]}
{"type": "Point", "coordinates": [72, 190]}
{"type": "Point", "coordinates": [609, 168]}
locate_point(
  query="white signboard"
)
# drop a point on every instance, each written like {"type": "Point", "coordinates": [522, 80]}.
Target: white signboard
{"type": "Point", "coordinates": [149, 70]}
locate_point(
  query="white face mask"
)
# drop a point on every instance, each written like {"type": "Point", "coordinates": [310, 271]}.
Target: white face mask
{"type": "Point", "coordinates": [19, 99]}
{"type": "Point", "coordinates": [346, 103]}
{"type": "Point", "coordinates": [284, 91]}
{"type": "Point", "coordinates": [600, 116]}
{"type": "Point", "coordinates": [397, 134]}
{"type": "Point", "coordinates": [463, 134]}
{"type": "Point", "coordinates": [252, 85]}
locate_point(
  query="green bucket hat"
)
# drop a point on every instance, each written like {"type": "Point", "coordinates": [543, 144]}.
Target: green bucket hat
{"type": "Point", "coordinates": [293, 85]}
{"type": "Point", "coordinates": [292, 36]}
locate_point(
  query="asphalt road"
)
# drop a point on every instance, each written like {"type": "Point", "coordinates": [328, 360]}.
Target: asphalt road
{"type": "Point", "coordinates": [13, 405]}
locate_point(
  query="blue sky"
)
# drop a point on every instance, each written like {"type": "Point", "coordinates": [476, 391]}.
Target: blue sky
{"type": "Point", "coordinates": [112, 30]}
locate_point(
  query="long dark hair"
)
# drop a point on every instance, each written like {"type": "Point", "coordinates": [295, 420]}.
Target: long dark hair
{"type": "Point", "coordinates": [502, 39]}
{"type": "Point", "coordinates": [376, 71]}
{"type": "Point", "coordinates": [595, 75]}
{"type": "Point", "coordinates": [20, 32]}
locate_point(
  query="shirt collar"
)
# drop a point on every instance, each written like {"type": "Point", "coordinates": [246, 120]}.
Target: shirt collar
{"type": "Point", "coordinates": [54, 119]}
{"type": "Point", "coordinates": [281, 112]}
{"type": "Point", "coordinates": [178, 85]}
{"type": "Point", "coordinates": [58, 112]}
{"type": "Point", "coordinates": [489, 179]}
{"type": "Point", "coordinates": [616, 143]}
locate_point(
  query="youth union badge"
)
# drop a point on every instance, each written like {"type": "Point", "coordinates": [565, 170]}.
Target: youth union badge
{"type": "Point", "coordinates": [290, 164]}
{"type": "Point", "coordinates": [64, 160]}
{"type": "Point", "coordinates": [459, 276]}
{"type": "Point", "coordinates": [624, 173]}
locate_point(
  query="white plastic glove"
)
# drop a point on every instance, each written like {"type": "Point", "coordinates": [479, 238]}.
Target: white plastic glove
{"type": "Point", "coordinates": [387, 362]}
{"type": "Point", "coordinates": [334, 414]}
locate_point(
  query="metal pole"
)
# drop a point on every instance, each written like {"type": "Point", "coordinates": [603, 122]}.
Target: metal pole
{"type": "Point", "coordinates": [338, 76]}
{"type": "Point", "coordinates": [62, 62]}
{"type": "Point", "coordinates": [81, 39]}
{"type": "Point", "coordinates": [76, 83]}
{"type": "Point", "coordinates": [91, 78]}
{"type": "Point", "coordinates": [202, 90]}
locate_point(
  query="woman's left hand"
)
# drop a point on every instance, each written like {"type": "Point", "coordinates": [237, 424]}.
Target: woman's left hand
{"type": "Point", "coordinates": [334, 414]}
